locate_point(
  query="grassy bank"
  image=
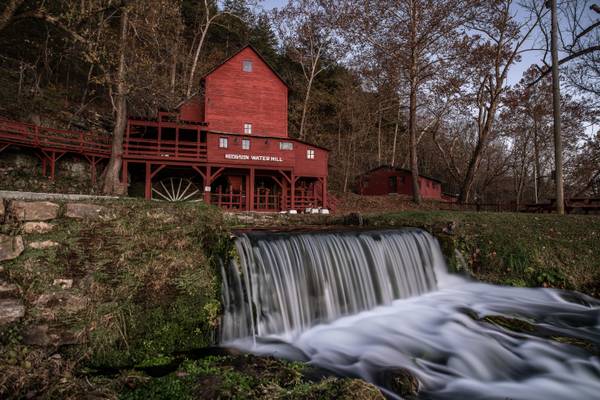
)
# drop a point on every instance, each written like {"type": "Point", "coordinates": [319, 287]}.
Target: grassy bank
{"type": "Point", "coordinates": [145, 296]}
{"type": "Point", "coordinates": [144, 285]}
{"type": "Point", "coordinates": [140, 316]}
{"type": "Point", "coordinates": [513, 249]}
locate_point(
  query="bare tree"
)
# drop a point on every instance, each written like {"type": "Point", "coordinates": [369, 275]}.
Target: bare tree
{"type": "Point", "coordinates": [112, 181]}
{"type": "Point", "coordinates": [411, 39]}
{"type": "Point", "coordinates": [307, 34]}
{"type": "Point", "coordinates": [558, 155]}
{"type": "Point", "coordinates": [500, 41]}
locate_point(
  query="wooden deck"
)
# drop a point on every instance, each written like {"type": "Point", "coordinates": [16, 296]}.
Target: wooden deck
{"type": "Point", "coordinates": [57, 140]}
{"type": "Point", "coordinates": [159, 145]}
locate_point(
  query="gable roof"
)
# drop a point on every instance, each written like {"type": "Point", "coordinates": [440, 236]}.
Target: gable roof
{"type": "Point", "coordinates": [248, 46]}
{"type": "Point", "coordinates": [399, 170]}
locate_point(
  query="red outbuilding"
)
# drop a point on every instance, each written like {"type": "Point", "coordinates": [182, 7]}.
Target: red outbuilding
{"type": "Point", "coordinates": [227, 145]}
{"type": "Point", "coordinates": [386, 180]}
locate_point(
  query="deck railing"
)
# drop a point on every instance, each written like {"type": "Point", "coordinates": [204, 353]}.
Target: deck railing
{"type": "Point", "coordinates": [20, 133]}
{"type": "Point", "coordinates": [228, 200]}
{"type": "Point", "coordinates": [266, 200]}
{"type": "Point", "coordinates": [144, 148]}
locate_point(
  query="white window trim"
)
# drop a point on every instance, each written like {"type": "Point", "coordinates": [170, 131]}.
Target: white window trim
{"type": "Point", "coordinates": [247, 128]}
{"type": "Point", "coordinates": [290, 147]}
{"type": "Point", "coordinates": [250, 63]}
{"type": "Point", "coordinates": [223, 143]}
{"type": "Point", "coordinates": [245, 141]}
{"type": "Point", "coordinates": [310, 154]}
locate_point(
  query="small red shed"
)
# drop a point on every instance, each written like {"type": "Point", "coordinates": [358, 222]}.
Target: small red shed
{"type": "Point", "coordinates": [386, 180]}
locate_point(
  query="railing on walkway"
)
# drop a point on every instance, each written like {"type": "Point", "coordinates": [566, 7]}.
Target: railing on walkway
{"type": "Point", "coordinates": [87, 143]}
{"type": "Point", "coordinates": [267, 200]}
{"type": "Point", "coordinates": [228, 200]}
{"type": "Point", "coordinates": [145, 148]}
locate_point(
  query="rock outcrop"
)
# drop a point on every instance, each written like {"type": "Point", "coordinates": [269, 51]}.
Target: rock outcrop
{"type": "Point", "coordinates": [11, 247]}
{"type": "Point", "coordinates": [43, 245]}
{"type": "Point", "coordinates": [36, 227]}
{"type": "Point", "coordinates": [8, 290]}
{"type": "Point", "coordinates": [33, 210]}
{"type": "Point", "coordinates": [11, 310]}
{"type": "Point", "coordinates": [63, 283]}
{"type": "Point", "coordinates": [87, 211]}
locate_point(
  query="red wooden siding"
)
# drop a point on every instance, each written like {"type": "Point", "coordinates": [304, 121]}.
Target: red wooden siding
{"type": "Point", "coordinates": [380, 182]}
{"type": "Point", "coordinates": [254, 171]}
{"type": "Point", "coordinates": [234, 97]}
{"type": "Point", "coordinates": [192, 110]}
{"type": "Point", "coordinates": [266, 152]}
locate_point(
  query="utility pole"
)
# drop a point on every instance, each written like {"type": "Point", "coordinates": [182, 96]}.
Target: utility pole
{"type": "Point", "coordinates": [558, 157]}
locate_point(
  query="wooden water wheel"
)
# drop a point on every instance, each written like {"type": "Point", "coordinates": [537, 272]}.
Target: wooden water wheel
{"type": "Point", "coordinates": [176, 190]}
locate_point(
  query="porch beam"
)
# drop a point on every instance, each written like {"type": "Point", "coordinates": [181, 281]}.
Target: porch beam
{"type": "Point", "coordinates": [217, 174]}
{"type": "Point", "coordinates": [199, 171]}
{"type": "Point", "coordinates": [157, 170]}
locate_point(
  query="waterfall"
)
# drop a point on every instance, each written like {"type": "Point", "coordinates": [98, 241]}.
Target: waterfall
{"type": "Point", "coordinates": [370, 304]}
{"type": "Point", "coordinates": [284, 283]}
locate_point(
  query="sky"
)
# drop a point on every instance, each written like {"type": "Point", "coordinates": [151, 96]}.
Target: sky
{"type": "Point", "coordinates": [515, 73]}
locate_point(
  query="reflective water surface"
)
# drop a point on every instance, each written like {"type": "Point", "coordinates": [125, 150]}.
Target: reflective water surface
{"type": "Point", "coordinates": [460, 339]}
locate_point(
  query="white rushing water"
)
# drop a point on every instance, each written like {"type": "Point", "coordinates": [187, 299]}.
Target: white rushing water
{"type": "Point", "coordinates": [328, 298]}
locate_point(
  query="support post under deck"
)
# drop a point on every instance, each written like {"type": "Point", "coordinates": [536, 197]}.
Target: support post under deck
{"type": "Point", "coordinates": [325, 192]}
{"type": "Point", "coordinates": [148, 187]}
{"type": "Point", "coordinates": [250, 194]}
{"type": "Point", "coordinates": [207, 184]}
{"type": "Point", "coordinates": [293, 193]}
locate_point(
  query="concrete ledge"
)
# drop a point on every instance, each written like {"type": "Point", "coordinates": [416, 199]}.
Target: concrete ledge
{"type": "Point", "coordinates": [14, 195]}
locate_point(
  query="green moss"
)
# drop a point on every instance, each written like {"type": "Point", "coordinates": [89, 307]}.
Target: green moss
{"type": "Point", "coordinates": [247, 377]}
{"type": "Point", "coordinates": [148, 279]}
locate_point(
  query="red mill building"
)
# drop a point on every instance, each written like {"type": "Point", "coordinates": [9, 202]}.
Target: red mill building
{"type": "Point", "coordinates": [228, 145]}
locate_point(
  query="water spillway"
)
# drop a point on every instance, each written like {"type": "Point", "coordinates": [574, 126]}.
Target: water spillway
{"type": "Point", "coordinates": [369, 304]}
{"type": "Point", "coordinates": [286, 283]}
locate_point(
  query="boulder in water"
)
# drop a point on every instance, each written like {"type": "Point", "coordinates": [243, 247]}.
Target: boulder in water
{"type": "Point", "coordinates": [400, 381]}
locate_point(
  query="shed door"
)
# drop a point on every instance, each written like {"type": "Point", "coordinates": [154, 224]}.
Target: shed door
{"type": "Point", "coordinates": [393, 184]}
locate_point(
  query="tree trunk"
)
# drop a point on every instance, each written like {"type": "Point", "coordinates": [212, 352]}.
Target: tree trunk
{"type": "Point", "coordinates": [558, 176]}
{"type": "Point", "coordinates": [396, 133]}
{"type": "Point", "coordinates": [412, 131]}
{"type": "Point", "coordinates": [196, 56]}
{"type": "Point", "coordinates": [475, 162]}
{"type": "Point", "coordinates": [112, 183]}
{"type": "Point", "coordinates": [536, 163]}
{"type": "Point", "coordinates": [379, 136]}
{"type": "Point", "coordinates": [305, 106]}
